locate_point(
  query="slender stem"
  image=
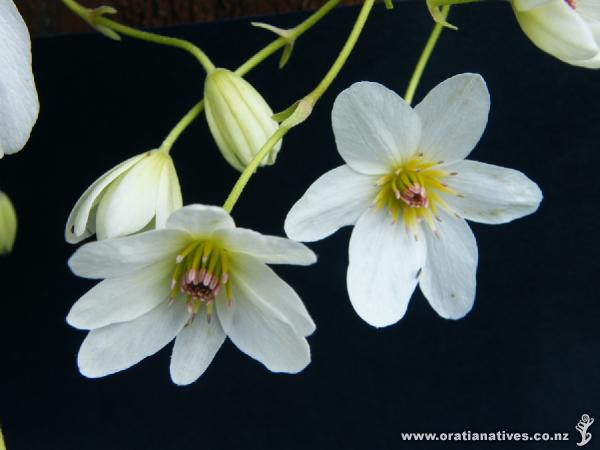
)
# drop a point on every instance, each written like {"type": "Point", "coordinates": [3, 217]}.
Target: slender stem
{"type": "Point", "coordinates": [345, 53]}
{"type": "Point", "coordinates": [242, 181]}
{"type": "Point", "coordinates": [99, 20]}
{"type": "Point", "coordinates": [159, 39]}
{"type": "Point", "coordinates": [294, 34]}
{"type": "Point", "coordinates": [2, 444]}
{"type": "Point", "coordinates": [181, 126]}
{"type": "Point", "coordinates": [425, 55]}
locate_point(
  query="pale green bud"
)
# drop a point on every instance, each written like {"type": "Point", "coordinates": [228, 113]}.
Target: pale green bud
{"type": "Point", "coordinates": [239, 118]}
{"type": "Point", "coordinates": [8, 224]}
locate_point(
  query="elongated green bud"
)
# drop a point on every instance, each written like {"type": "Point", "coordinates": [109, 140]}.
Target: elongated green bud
{"type": "Point", "coordinates": [239, 118]}
{"type": "Point", "coordinates": [8, 224]}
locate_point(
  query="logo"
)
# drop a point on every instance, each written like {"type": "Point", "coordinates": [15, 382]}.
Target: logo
{"type": "Point", "coordinates": [582, 426]}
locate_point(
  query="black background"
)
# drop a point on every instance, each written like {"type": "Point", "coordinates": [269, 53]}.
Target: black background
{"type": "Point", "coordinates": [525, 359]}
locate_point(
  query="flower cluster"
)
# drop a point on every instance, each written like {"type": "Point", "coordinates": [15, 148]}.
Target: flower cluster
{"type": "Point", "coordinates": [189, 274]}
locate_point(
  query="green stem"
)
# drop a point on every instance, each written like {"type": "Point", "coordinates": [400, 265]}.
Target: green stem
{"type": "Point", "coordinates": [242, 181]}
{"type": "Point", "coordinates": [181, 126]}
{"type": "Point", "coordinates": [250, 64]}
{"type": "Point", "coordinates": [294, 34]}
{"type": "Point", "coordinates": [98, 20]}
{"type": "Point", "coordinates": [311, 98]}
{"type": "Point", "coordinates": [344, 54]}
{"type": "Point", "coordinates": [425, 55]}
{"type": "Point", "coordinates": [2, 444]}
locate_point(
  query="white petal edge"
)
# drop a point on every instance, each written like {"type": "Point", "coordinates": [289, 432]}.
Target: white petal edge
{"type": "Point", "coordinates": [374, 128]}
{"type": "Point", "coordinates": [558, 30]}
{"type": "Point", "coordinates": [336, 199]}
{"type": "Point", "coordinates": [270, 290]}
{"type": "Point", "coordinates": [263, 333]}
{"type": "Point", "coordinates": [200, 220]}
{"type": "Point", "coordinates": [491, 194]}
{"type": "Point", "coordinates": [129, 204]}
{"type": "Point", "coordinates": [385, 261]}
{"type": "Point", "coordinates": [195, 348]}
{"type": "Point", "coordinates": [453, 115]}
{"type": "Point", "coordinates": [448, 279]}
{"type": "Point", "coordinates": [168, 197]}
{"type": "Point", "coordinates": [122, 256]}
{"type": "Point", "coordinates": [117, 347]}
{"type": "Point", "coordinates": [19, 105]}
{"type": "Point", "coordinates": [268, 249]}
{"type": "Point", "coordinates": [79, 226]}
{"type": "Point", "coordinates": [122, 299]}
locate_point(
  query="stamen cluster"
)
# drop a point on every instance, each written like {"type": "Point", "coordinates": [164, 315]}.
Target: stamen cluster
{"type": "Point", "coordinates": [413, 191]}
{"type": "Point", "coordinates": [201, 271]}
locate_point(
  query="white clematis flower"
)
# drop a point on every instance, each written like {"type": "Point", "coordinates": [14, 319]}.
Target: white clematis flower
{"type": "Point", "coordinates": [406, 187]}
{"type": "Point", "coordinates": [567, 29]}
{"type": "Point", "coordinates": [140, 192]}
{"type": "Point", "coordinates": [19, 106]}
{"type": "Point", "coordinates": [198, 280]}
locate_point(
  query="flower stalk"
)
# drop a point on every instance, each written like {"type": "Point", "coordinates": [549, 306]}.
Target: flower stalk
{"type": "Point", "coordinates": [96, 18]}
{"type": "Point", "coordinates": [304, 106]}
{"type": "Point", "coordinates": [425, 55]}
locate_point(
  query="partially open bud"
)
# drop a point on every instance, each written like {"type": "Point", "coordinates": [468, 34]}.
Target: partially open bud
{"type": "Point", "coordinates": [135, 195]}
{"type": "Point", "coordinates": [8, 224]}
{"type": "Point", "coordinates": [240, 120]}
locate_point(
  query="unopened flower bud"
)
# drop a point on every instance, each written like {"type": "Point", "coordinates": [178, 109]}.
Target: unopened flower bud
{"type": "Point", "coordinates": [8, 224]}
{"type": "Point", "coordinates": [137, 194]}
{"type": "Point", "coordinates": [239, 118]}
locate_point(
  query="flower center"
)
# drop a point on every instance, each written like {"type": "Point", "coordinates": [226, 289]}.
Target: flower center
{"type": "Point", "coordinates": [413, 191]}
{"type": "Point", "coordinates": [200, 273]}
{"type": "Point", "coordinates": [572, 3]}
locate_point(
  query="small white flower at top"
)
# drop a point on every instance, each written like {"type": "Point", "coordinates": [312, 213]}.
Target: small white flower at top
{"type": "Point", "coordinates": [407, 189]}
{"type": "Point", "coordinates": [567, 29]}
{"type": "Point", "coordinates": [198, 280]}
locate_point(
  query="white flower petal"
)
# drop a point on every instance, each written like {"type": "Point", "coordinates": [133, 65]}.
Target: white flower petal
{"type": "Point", "coordinates": [200, 220]}
{"type": "Point", "coordinates": [558, 30]}
{"type": "Point", "coordinates": [19, 106]}
{"type": "Point", "coordinates": [123, 299]}
{"type": "Point", "coordinates": [81, 224]}
{"type": "Point", "coordinates": [374, 128]}
{"type": "Point", "coordinates": [129, 203]}
{"type": "Point", "coordinates": [268, 249]}
{"type": "Point", "coordinates": [336, 199]}
{"type": "Point", "coordinates": [269, 290]}
{"type": "Point", "coordinates": [454, 115]}
{"type": "Point", "coordinates": [119, 346]}
{"type": "Point", "coordinates": [169, 194]}
{"type": "Point", "coordinates": [262, 333]}
{"type": "Point", "coordinates": [491, 194]}
{"type": "Point", "coordinates": [195, 347]}
{"type": "Point", "coordinates": [121, 256]}
{"type": "Point", "coordinates": [448, 278]}
{"type": "Point", "coordinates": [385, 261]}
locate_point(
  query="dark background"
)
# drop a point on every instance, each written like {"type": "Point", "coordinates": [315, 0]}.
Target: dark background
{"type": "Point", "coordinates": [46, 17]}
{"type": "Point", "coordinates": [525, 359]}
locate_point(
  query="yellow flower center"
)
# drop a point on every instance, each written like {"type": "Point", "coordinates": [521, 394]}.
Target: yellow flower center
{"type": "Point", "coordinates": [200, 273]}
{"type": "Point", "coordinates": [412, 192]}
